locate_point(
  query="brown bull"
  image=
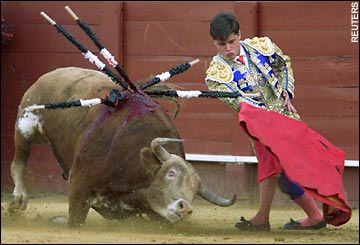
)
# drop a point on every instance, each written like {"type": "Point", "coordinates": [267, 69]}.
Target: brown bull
{"type": "Point", "coordinates": [113, 158]}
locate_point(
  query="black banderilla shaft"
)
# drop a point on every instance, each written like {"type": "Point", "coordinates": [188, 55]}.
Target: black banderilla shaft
{"type": "Point", "coordinates": [105, 53]}
{"type": "Point", "coordinates": [195, 94]}
{"type": "Point", "coordinates": [112, 99]}
{"type": "Point", "coordinates": [115, 97]}
{"type": "Point", "coordinates": [87, 54]}
{"type": "Point", "coordinates": [166, 75]}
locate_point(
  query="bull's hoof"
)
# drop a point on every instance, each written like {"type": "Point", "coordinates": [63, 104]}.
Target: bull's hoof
{"type": "Point", "coordinates": [18, 203]}
{"type": "Point", "coordinates": [14, 208]}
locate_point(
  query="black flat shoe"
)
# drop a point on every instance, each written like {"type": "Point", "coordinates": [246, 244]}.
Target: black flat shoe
{"type": "Point", "coordinates": [296, 225]}
{"type": "Point", "coordinates": [246, 225]}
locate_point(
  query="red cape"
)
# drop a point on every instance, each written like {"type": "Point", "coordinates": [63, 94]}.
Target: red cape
{"type": "Point", "coordinates": [308, 158]}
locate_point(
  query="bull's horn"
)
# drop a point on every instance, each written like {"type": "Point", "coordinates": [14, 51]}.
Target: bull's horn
{"type": "Point", "coordinates": [160, 152]}
{"type": "Point", "coordinates": [212, 197]}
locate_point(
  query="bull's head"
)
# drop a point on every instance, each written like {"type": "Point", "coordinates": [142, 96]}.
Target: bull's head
{"type": "Point", "coordinates": [176, 184]}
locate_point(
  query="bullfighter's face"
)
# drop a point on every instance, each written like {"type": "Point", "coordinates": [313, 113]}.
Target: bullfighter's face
{"type": "Point", "coordinates": [229, 48]}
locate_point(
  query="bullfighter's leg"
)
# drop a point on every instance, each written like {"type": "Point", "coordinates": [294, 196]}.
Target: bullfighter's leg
{"type": "Point", "coordinates": [17, 169]}
{"type": "Point", "coordinates": [267, 189]}
{"type": "Point", "coordinates": [305, 201]}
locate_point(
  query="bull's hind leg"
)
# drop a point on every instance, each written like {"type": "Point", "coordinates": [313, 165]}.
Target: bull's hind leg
{"type": "Point", "coordinates": [17, 169]}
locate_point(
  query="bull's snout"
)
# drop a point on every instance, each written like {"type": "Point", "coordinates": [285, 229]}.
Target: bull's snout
{"type": "Point", "coordinates": [183, 208]}
{"type": "Point", "coordinates": [178, 210]}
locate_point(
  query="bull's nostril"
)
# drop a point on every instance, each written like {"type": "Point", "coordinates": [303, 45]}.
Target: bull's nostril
{"type": "Point", "coordinates": [181, 205]}
{"type": "Point", "coordinates": [190, 212]}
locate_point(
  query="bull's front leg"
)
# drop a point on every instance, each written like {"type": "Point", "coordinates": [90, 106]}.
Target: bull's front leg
{"type": "Point", "coordinates": [17, 170]}
{"type": "Point", "coordinates": [78, 210]}
{"type": "Point", "coordinates": [78, 202]}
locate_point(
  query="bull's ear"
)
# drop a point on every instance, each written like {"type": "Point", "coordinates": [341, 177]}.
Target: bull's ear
{"type": "Point", "coordinates": [149, 161]}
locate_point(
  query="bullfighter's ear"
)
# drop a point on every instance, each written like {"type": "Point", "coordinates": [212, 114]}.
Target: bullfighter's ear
{"type": "Point", "coordinates": [149, 160]}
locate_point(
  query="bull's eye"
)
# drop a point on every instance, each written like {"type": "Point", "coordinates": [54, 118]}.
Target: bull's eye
{"type": "Point", "coordinates": [172, 173]}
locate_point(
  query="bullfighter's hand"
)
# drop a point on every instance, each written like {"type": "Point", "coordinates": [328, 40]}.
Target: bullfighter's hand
{"type": "Point", "coordinates": [287, 101]}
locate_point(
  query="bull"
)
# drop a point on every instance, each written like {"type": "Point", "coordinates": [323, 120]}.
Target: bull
{"type": "Point", "coordinates": [120, 161]}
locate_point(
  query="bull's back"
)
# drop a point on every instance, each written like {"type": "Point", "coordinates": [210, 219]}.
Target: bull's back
{"type": "Point", "coordinates": [61, 128]}
{"type": "Point", "coordinates": [65, 84]}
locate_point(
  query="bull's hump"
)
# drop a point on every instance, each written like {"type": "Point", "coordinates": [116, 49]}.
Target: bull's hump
{"type": "Point", "coordinates": [74, 70]}
{"type": "Point", "coordinates": [134, 106]}
{"type": "Point", "coordinates": [139, 104]}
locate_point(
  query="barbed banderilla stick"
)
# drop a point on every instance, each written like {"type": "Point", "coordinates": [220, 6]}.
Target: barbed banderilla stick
{"type": "Point", "coordinates": [166, 75]}
{"type": "Point", "coordinates": [87, 54]}
{"type": "Point", "coordinates": [198, 93]}
{"type": "Point", "coordinates": [103, 51]}
{"type": "Point", "coordinates": [115, 97]}
{"type": "Point", "coordinates": [65, 104]}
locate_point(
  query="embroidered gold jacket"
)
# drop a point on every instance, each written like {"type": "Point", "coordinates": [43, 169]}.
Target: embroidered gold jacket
{"type": "Point", "coordinates": [269, 73]}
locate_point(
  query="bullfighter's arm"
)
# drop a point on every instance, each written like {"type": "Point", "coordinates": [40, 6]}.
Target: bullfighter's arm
{"type": "Point", "coordinates": [282, 67]}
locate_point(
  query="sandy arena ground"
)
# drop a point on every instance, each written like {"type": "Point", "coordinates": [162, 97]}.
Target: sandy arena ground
{"type": "Point", "coordinates": [209, 224]}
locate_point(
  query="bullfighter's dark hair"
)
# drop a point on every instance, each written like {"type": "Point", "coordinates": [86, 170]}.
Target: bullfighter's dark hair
{"type": "Point", "coordinates": [222, 25]}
